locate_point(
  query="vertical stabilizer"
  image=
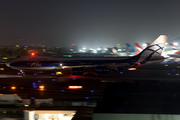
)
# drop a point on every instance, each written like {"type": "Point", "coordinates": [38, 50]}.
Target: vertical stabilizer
{"type": "Point", "coordinates": [154, 50]}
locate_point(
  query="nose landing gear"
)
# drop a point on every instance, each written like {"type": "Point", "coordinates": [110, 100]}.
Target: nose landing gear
{"type": "Point", "coordinates": [22, 73]}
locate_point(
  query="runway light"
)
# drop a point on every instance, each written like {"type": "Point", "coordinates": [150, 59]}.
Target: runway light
{"type": "Point", "coordinates": [165, 65]}
{"type": "Point", "coordinates": [173, 70]}
{"type": "Point", "coordinates": [5, 58]}
{"type": "Point", "coordinates": [139, 63]}
{"type": "Point", "coordinates": [177, 74]}
{"type": "Point", "coordinates": [168, 73]}
{"type": "Point", "coordinates": [32, 97]}
{"type": "Point", "coordinates": [86, 98]}
{"type": "Point", "coordinates": [75, 87]}
{"type": "Point", "coordinates": [13, 88]}
{"type": "Point", "coordinates": [62, 90]}
{"type": "Point", "coordinates": [53, 79]}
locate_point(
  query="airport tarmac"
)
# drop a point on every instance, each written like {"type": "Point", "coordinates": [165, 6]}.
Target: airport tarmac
{"type": "Point", "coordinates": [93, 86]}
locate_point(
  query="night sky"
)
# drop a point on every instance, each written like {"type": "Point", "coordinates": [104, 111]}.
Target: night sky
{"type": "Point", "coordinates": [86, 23]}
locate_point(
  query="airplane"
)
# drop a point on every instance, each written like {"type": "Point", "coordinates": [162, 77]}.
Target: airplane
{"type": "Point", "coordinates": [175, 51]}
{"type": "Point", "coordinates": [150, 54]}
{"type": "Point", "coordinates": [139, 48]}
{"type": "Point", "coordinates": [130, 49]}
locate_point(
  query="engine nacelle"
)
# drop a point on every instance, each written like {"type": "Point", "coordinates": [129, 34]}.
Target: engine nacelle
{"type": "Point", "coordinates": [77, 71]}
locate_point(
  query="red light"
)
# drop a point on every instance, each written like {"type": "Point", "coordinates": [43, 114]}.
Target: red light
{"type": "Point", "coordinates": [32, 54]}
{"type": "Point", "coordinates": [139, 63]}
{"type": "Point", "coordinates": [73, 44]}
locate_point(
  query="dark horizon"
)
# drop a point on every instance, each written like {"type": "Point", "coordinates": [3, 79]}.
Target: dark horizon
{"type": "Point", "coordinates": [87, 23]}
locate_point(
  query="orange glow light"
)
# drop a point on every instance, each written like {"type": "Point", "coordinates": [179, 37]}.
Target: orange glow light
{"type": "Point", "coordinates": [13, 88]}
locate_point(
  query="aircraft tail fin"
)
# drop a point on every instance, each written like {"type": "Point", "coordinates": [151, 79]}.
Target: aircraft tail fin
{"type": "Point", "coordinates": [154, 50]}
{"type": "Point", "coordinates": [130, 48]}
{"type": "Point", "coordinates": [139, 48]}
{"type": "Point", "coordinates": [175, 49]}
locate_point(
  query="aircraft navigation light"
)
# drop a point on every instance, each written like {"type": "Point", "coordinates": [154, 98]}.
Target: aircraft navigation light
{"type": "Point", "coordinates": [32, 54]}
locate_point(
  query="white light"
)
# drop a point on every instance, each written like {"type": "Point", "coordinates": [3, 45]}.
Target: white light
{"type": "Point", "coordinates": [175, 44]}
{"type": "Point", "coordinates": [119, 50]}
{"type": "Point", "coordinates": [80, 50]}
{"type": "Point", "coordinates": [144, 45]}
{"type": "Point", "coordinates": [166, 43]}
{"type": "Point", "coordinates": [105, 49]}
{"type": "Point", "coordinates": [84, 48]}
{"type": "Point", "coordinates": [26, 105]}
{"type": "Point", "coordinates": [98, 48]}
{"type": "Point", "coordinates": [91, 49]}
{"type": "Point", "coordinates": [60, 64]}
{"type": "Point", "coordinates": [94, 51]}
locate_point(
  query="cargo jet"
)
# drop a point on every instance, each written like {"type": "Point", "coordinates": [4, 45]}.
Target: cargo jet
{"type": "Point", "coordinates": [150, 54]}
